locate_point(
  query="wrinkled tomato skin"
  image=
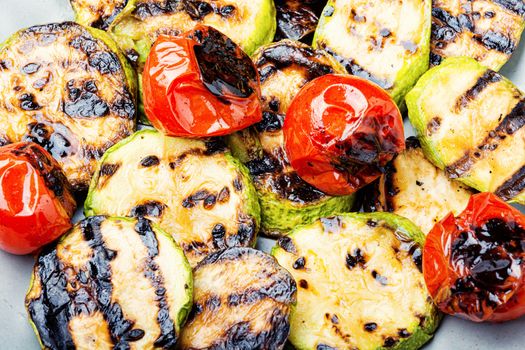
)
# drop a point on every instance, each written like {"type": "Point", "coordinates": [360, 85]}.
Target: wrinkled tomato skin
{"type": "Point", "coordinates": [444, 265]}
{"type": "Point", "coordinates": [178, 97]}
{"type": "Point", "coordinates": [340, 130]}
{"type": "Point", "coordinates": [31, 214]}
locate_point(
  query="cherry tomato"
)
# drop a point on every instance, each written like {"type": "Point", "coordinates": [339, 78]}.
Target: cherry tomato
{"type": "Point", "coordinates": [200, 84]}
{"type": "Point", "coordinates": [340, 130]}
{"type": "Point", "coordinates": [474, 264]}
{"type": "Point", "coordinates": [36, 203]}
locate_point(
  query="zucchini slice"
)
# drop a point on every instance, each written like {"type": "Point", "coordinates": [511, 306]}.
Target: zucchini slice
{"type": "Point", "coordinates": [110, 283]}
{"type": "Point", "coordinates": [470, 121]}
{"type": "Point", "coordinates": [360, 283]}
{"type": "Point", "coordinates": [194, 189]}
{"type": "Point", "coordinates": [413, 187]}
{"type": "Point", "coordinates": [97, 13]}
{"type": "Point", "coordinates": [486, 30]}
{"type": "Point", "coordinates": [242, 300]}
{"type": "Point", "coordinates": [286, 200]}
{"type": "Point", "coordinates": [385, 42]}
{"type": "Point", "coordinates": [69, 89]}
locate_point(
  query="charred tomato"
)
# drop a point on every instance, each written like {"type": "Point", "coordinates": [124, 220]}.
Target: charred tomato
{"type": "Point", "coordinates": [474, 264]}
{"type": "Point", "coordinates": [36, 203]}
{"type": "Point", "coordinates": [340, 131]}
{"type": "Point", "coordinates": [200, 84]}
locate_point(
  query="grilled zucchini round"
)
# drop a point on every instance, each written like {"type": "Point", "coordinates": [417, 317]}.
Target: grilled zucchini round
{"type": "Point", "coordinates": [486, 30]}
{"type": "Point", "coordinates": [194, 189]}
{"type": "Point", "coordinates": [360, 284]}
{"type": "Point", "coordinates": [97, 13]}
{"type": "Point", "coordinates": [413, 187]}
{"type": "Point", "coordinates": [470, 121]}
{"type": "Point", "coordinates": [371, 41]}
{"type": "Point", "coordinates": [69, 89]}
{"type": "Point", "coordinates": [286, 200]}
{"type": "Point", "coordinates": [242, 301]}
{"type": "Point", "coordinates": [110, 283]}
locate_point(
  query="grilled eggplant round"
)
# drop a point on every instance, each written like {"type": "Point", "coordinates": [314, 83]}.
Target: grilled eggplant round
{"type": "Point", "coordinates": [97, 13]}
{"type": "Point", "coordinates": [486, 30]}
{"type": "Point", "coordinates": [69, 89]}
{"type": "Point", "coordinates": [194, 189]}
{"type": "Point", "coordinates": [242, 301]}
{"type": "Point", "coordinates": [471, 123]}
{"type": "Point", "coordinates": [371, 41]}
{"type": "Point", "coordinates": [286, 200]}
{"type": "Point", "coordinates": [360, 284]}
{"type": "Point", "coordinates": [110, 283]}
{"type": "Point", "coordinates": [412, 187]}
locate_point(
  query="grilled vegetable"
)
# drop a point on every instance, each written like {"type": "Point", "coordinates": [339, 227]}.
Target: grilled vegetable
{"type": "Point", "coordinates": [386, 42]}
{"type": "Point", "coordinates": [242, 300]}
{"type": "Point", "coordinates": [194, 189]}
{"type": "Point", "coordinates": [68, 89]}
{"type": "Point", "coordinates": [474, 263]}
{"type": "Point", "coordinates": [200, 84]}
{"type": "Point", "coordinates": [340, 131]}
{"type": "Point", "coordinates": [470, 121]}
{"type": "Point", "coordinates": [250, 24]}
{"type": "Point", "coordinates": [286, 200]}
{"type": "Point", "coordinates": [360, 284]}
{"type": "Point", "coordinates": [36, 203]}
{"type": "Point", "coordinates": [413, 187]}
{"type": "Point", "coordinates": [297, 19]}
{"type": "Point", "coordinates": [97, 13]}
{"type": "Point", "coordinates": [486, 30]}
{"type": "Point", "coordinates": [110, 283]}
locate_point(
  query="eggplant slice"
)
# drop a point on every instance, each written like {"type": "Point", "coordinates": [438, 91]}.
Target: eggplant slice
{"type": "Point", "coordinates": [69, 89]}
{"type": "Point", "coordinates": [359, 284]}
{"type": "Point", "coordinates": [413, 187]}
{"type": "Point", "coordinates": [387, 42]}
{"type": "Point", "coordinates": [242, 301]}
{"type": "Point", "coordinates": [110, 283]}
{"type": "Point", "coordinates": [486, 30]}
{"type": "Point", "coordinates": [286, 200]}
{"type": "Point", "coordinates": [97, 13]}
{"type": "Point", "coordinates": [470, 121]}
{"type": "Point", "coordinates": [194, 189]}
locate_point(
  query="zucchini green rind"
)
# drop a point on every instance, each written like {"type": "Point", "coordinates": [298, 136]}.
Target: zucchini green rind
{"type": "Point", "coordinates": [194, 189]}
{"type": "Point", "coordinates": [97, 13]}
{"type": "Point", "coordinates": [69, 89]}
{"type": "Point", "coordinates": [242, 300]}
{"type": "Point", "coordinates": [360, 284]}
{"type": "Point", "coordinates": [412, 187]}
{"type": "Point", "coordinates": [110, 283]}
{"type": "Point", "coordinates": [488, 31]}
{"type": "Point", "coordinates": [385, 42]}
{"type": "Point", "coordinates": [470, 121]}
{"type": "Point", "coordinates": [286, 200]}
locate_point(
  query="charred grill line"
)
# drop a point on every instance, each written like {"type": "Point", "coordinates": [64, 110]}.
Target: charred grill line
{"type": "Point", "coordinates": [489, 77]}
{"type": "Point", "coordinates": [513, 186]}
{"type": "Point", "coordinates": [197, 10]}
{"type": "Point", "coordinates": [514, 121]}
{"type": "Point", "coordinates": [390, 190]}
{"type": "Point", "coordinates": [104, 21]}
{"type": "Point", "coordinates": [152, 209]}
{"type": "Point", "coordinates": [291, 187]}
{"type": "Point", "coordinates": [168, 336]}
{"type": "Point", "coordinates": [516, 6]}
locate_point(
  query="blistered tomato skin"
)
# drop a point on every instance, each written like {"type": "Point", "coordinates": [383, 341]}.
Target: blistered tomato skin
{"type": "Point", "coordinates": [36, 203]}
{"type": "Point", "coordinates": [474, 264]}
{"type": "Point", "coordinates": [200, 84]}
{"type": "Point", "coordinates": [340, 131]}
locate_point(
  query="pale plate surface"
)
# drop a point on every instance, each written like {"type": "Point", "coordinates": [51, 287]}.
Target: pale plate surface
{"type": "Point", "coordinates": [15, 332]}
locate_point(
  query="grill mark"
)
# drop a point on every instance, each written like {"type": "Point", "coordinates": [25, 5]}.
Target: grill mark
{"type": "Point", "coordinates": [296, 19]}
{"type": "Point", "coordinates": [168, 336]}
{"type": "Point", "coordinates": [287, 244]}
{"type": "Point", "coordinates": [104, 21]}
{"type": "Point", "coordinates": [489, 77]}
{"type": "Point", "coordinates": [267, 164]}
{"type": "Point", "coordinates": [99, 269]}
{"type": "Point", "coordinates": [152, 209]}
{"type": "Point", "coordinates": [496, 41]}
{"type": "Point", "coordinates": [513, 186]}
{"type": "Point", "coordinates": [150, 161]}
{"type": "Point", "coordinates": [196, 10]}
{"type": "Point", "coordinates": [516, 6]}
{"type": "Point", "coordinates": [246, 233]}
{"type": "Point", "coordinates": [271, 122]}
{"type": "Point", "coordinates": [514, 121]}
{"type": "Point", "coordinates": [291, 187]}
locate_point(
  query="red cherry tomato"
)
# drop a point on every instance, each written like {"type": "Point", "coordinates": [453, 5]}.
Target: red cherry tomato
{"type": "Point", "coordinates": [36, 203]}
{"type": "Point", "coordinates": [474, 264]}
{"type": "Point", "coordinates": [200, 84]}
{"type": "Point", "coordinates": [340, 131]}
